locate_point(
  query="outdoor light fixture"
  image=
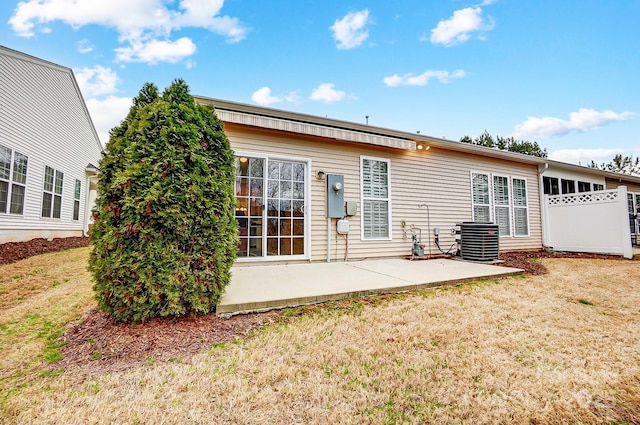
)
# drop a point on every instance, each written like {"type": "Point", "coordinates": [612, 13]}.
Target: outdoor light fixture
{"type": "Point", "coordinates": [243, 159]}
{"type": "Point", "coordinates": [320, 175]}
{"type": "Point", "coordinates": [422, 147]}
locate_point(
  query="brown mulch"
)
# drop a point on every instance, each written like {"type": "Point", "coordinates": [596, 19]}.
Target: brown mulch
{"type": "Point", "coordinates": [100, 344]}
{"type": "Point", "coordinates": [525, 260]}
{"type": "Point", "coordinates": [97, 343]}
{"type": "Point", "coordinates": [11, 252]}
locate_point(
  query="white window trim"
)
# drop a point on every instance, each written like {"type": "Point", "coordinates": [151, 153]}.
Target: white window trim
{"type": "Point", "coordinates": [473, 204]}
{"type": "Point", "coordinates": [508, 206]}
{"type": "Point", "coordinates": [388, 199]}
{"type": "Point", "coordinates": [11, 182]}
{"type": "Point", "coordinates": [307, 209]}
{"type": "Point", "coordinates": [52, 193]}
{"type": "Point", "coordinates": [512, 207]}
{"type": "Point", "coordinates": [575, 179]}
{"type": "Point", "coordinates": [73, 210]}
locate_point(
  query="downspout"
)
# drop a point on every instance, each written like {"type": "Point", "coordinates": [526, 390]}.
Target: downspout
{"type": "Point", "coordinates": [544, 216]}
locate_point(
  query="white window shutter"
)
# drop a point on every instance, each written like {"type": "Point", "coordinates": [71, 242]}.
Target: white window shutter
{"type": "Point", "coordinates": [375, 198]}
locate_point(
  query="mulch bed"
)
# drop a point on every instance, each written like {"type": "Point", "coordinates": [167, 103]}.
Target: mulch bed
{"type": "Point", "coordinates": [11, 252]}
{"type": "Point", "coordinates": [97, 343]}
{"type": "Point", "coordinates": [525, 260]}
{"type": "Point", "coordinates": [100, 344]}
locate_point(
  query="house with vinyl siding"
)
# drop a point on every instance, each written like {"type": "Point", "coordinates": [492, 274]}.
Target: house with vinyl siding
{"type": "Point", "coordinates": [393, 184]}
{"type": "Point", "coordinates": [396, 184]}
{"type": "Point", "coordinates": [48, 151]}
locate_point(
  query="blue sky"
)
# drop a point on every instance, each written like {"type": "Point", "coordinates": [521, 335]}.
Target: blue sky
{"type": "Point", "coordinates": [563, 73]}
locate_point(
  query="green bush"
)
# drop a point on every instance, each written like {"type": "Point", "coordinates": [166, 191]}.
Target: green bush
{"type": "Point", "coordinates": [164, 238]}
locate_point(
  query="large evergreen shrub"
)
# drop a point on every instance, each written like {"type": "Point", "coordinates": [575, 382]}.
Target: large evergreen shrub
{"type": "Point", "coordinates": [164, 237]}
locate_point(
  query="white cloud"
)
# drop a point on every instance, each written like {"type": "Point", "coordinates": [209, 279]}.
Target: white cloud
{"type": "Point", "coordinates": [107, 114]}
{"type": "Point", "coordinates": [84, 46]}
{"type": "Point", "coordinates": [142, 24]}
{"type": "Point", "coordinates": [326, 93]}
{"type": "Point", "coordinates": [263, 97]}
{"type": "Point", "coordinates": [422, 79]}
{"type": "Point", "coordinates": [584, 156]}
{"type": "Point", "coordinates": [350, 31]}
{"type": "Point", "coordinates": [96, 81]}
{"type": "Point", "coordinates": [292, 97]}
{"type": "Point", "coordinates": [155, 51]}
{"type": "Point", "coordinates": [459, 27]}
{"type": "Point", "coordinates": [582, 120]}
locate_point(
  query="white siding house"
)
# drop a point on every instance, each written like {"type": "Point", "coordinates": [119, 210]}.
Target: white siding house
{"type": "Point", "coordinates": [48, 150]}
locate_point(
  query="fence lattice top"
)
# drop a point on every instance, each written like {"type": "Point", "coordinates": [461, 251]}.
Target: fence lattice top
{"type": "Point", "coordinates": [601, 196]}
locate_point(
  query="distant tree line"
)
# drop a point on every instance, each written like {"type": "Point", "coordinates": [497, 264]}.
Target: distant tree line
{"type": "Point", "coordinates": [619, 164]}
{"type": "Point", "coordinates": [507, 144]}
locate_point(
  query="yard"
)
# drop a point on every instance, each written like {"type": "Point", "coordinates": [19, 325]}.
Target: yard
{"type": "Point", "coordinates": [561, 347]}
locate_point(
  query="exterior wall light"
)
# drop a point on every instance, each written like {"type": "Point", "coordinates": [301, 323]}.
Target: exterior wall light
{"type": "Point", "coordinates": [320, 175]}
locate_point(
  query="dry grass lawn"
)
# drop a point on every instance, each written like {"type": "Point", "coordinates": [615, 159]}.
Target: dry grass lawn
{"type": "Point", "coordinates": [559, 348]}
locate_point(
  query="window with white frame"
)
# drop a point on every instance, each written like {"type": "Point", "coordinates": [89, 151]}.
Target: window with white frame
{"type": "Point", "coordinates": [520, 207]}
{"type": "Point", "coordinates": [551, 185]}
{"type": "Point", "coordinates": [76, 200]}
{"type": "Point", "coordinates": [376, 198]}
{"type": "Point", "coordinates": [503, 202]}
{"type": "Point", "coordinates": [13, 180]}
{"type": "Point", "coordinates": [584, 186]}
{"type": "Point", "coordinates": [501, 207]}
{"type": "Point", "coordinates": [52, 193]}
{"type": "Point", "coordinates": [480, 197]}
{"type": "Point", "coordinates": [568, 186]}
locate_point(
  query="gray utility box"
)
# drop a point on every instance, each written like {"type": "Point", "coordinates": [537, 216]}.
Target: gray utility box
{"type": "Point", "coordinates": [335, 196]}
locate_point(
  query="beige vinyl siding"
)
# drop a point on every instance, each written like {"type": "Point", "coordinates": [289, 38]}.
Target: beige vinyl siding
{"type": "Point", "coordinates": [614, 184]}
{"type": "Point", "coordinates": [438, 178]}
{"type": "Point", "coordinates": [43, 116]}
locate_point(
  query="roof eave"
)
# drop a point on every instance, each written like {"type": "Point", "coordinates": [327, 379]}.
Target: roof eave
{"type": "Point", "coordinates": [436, 142]}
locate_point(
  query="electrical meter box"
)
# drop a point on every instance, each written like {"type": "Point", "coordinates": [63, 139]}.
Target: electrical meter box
{"type": "Point", "coordinates": [335, 196]}
{"type": "Point", "coordinates": [350, 208]}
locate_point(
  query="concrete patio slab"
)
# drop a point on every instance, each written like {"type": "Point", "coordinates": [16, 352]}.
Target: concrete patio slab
{"type": "Point", "coordinates": [265, 287]}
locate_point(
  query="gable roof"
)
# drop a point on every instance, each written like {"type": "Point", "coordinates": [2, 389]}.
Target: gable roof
{"type": "Point", "coordinates": [5, 51]}
{"type": "Point", "coordinates": [293, 122]}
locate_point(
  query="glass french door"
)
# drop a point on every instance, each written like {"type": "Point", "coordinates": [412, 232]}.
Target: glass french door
{"type": "Point", "coordinates": [271, 205]}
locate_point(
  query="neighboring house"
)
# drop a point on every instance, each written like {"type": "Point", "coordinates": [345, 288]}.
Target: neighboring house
{"type": "Point", "coordinates": [400, 183]}
{"type": "Point", "coordinates": [48, 151]}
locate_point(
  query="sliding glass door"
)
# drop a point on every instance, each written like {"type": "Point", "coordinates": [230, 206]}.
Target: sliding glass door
{"type": "Point", "coordinates": [271, 207]}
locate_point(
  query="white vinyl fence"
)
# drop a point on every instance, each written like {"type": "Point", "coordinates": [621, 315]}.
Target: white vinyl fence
{"type": "Point", "coordinates": [595, 222]}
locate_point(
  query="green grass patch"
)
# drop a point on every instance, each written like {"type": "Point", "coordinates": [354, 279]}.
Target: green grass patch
{"type": "Point", "coordinates": [36, 316]}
